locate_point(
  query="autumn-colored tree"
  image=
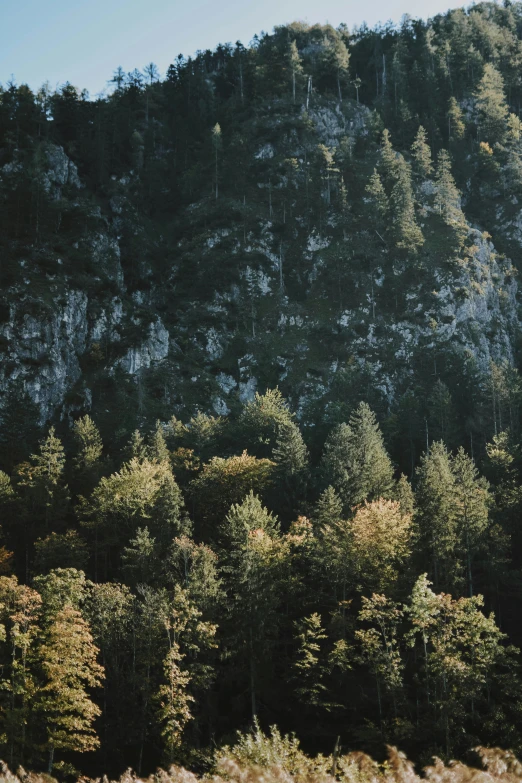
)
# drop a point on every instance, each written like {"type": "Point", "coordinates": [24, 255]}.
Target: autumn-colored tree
{"type": "Point", "coordinates": [69, 665]}
{"type": "Point", "coordinates": [381, 536]}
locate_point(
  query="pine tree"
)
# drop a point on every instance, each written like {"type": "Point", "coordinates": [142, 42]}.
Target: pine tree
{"type": "Point", "coordinates": [421, 155]}
{"type": "Point", "coordinates": [388, 160]}
{"type": "Point", "coordinates": [471, 500]}
{"type": "Point", "coordinates": [355, 461]}
{"type": "Point", "coordinates": [40, 482]}
{"type": "Point", "coordinates": [328, 509]}
{"type": "Point", "coordinates": [292, 463]}
{"type": "Point", "coordinates": [456, 126]}
{"type": "Point", "coordinates": [135, 448]}
{"type": "Point", "coordinates": [436, 514]}
{"type": "Point", "coordinates": [260, 420]}
{"type": "Point", "coordinates": [87, 460]}
{"type": "Point", "coordinates": [294, 61]}
{"type": "Point", "coordinates": [157, 447]}
{"type": "Point", "coordinates": [491, 106]}
{"type": "Point", "coordinates": [203, 434]}
{"type": "Point", "coordinates": [404, 495]}
{"type": "Point", "coordinates": [408, 235]}
{"type": "Point", "coordinates": [447, 197]}
{"type": "Point", "coordinates": [69, 664]}
{"type": "Point", "coordinates": [378, 199]}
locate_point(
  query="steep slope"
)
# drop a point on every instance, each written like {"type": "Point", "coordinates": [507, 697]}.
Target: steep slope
{"type": "Point", "coordinates": [246, 223]}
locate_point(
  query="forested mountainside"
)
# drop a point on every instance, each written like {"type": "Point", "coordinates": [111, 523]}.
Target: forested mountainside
{"type": "Point", "coordinates": [260, 410]}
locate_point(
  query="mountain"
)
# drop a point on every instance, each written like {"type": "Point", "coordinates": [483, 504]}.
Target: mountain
{"type": "Point", "coordinates": [269, 215]}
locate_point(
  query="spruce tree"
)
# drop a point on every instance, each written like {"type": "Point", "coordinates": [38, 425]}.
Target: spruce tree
{"type": "Point", "coordinates": [87, 465]}
{"type": "Point", "coordinates": [355, 461]}
{"type": "Point", "coordinates": [157, 446]}
{"type": "Point", "coordinates": [447, 197]}
{"type": "Point", "coordinates": [456, 126]}
{"type": "Point", "coordinates": [328, 509]}
{"type": "Point", "coordinates": [437, 515]}
{"type": "Point", "coordinates": [471, 501]}
{"type": "Point", "coordinates": [421, 154]}
{"type": "Point", "coordinates": [292, 464]}
{"type": "Point", "coordinates": [491, 106]}
{"type": "Point", "coordinates": [407, 232]}
{"type": "Point", "coordinates": [296, 67]}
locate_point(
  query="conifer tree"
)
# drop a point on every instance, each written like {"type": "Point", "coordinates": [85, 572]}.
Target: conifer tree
{"type": "Point", "coordinates": [380, 646]}
{"type": "Point", "coordinates": [87, 460]}
{"type": "Point", "coordinates": [174, 703]}
{"type": "Point", "coordinates": [217, 143]}
{"type": "Point", "coordinates": [491, 106]}
{"type": "Point", "coordinates": [408, 235]}
{"type": "Point", "coordinates": [60, 550]}
{"type": "Point", "coordinates": [388, 160]}
{"type": "Point", "coordinates": [203, 434]}
{"type": "Point", "coordinates": [44, 494]}
{"type": "Point", "coordinates": [436, 515]}
{"type": "Point", "coordinates": [329, 508]}
{"type": "Point", "coordinates": [471, 500]}
{"type": "Point", "coordinates": [378, 199]}
{"type": "Point", "coordinates": [405, 497]}
{"type": "Point", "coordinates": [157, 448]}
{"type": "Point", "coordinates": [260, 420]}
{"type": "Point", "coordinates": [292, 462]}
{"type": "Point", "coordinates": [355, 461]}
{"type": "Point", "coordinates": [447, 197]}
{"type": "Point", "coordinates": [456, 126]}
{"type": "Point", "coordinates": [135, 448]}
{"type": "Point", "coordinates": [296, 66]}
{"type": "Point", "coordinates": [421, 155]}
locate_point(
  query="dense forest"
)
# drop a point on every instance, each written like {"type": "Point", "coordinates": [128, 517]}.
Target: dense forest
{"type": "Point", "coordinates": [260, 439]}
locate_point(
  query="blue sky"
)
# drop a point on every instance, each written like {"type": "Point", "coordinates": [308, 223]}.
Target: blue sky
{"type": "Point", "coordinates": [83, 41]}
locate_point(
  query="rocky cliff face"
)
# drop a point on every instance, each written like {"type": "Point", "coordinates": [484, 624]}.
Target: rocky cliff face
{"type": "Point", "coordinates": [264, 323]}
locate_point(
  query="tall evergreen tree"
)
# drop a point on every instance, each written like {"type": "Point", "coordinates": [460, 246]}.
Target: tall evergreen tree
{"type": "Point", "coordinates": [491, 106]}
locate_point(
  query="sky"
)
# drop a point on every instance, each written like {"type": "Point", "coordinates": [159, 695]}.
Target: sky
{"type": "Point", "coordinates": [83, 41]}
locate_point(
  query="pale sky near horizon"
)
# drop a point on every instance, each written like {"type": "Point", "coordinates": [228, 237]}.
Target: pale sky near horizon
{"type": "Point", "coordinates": [83, 41]}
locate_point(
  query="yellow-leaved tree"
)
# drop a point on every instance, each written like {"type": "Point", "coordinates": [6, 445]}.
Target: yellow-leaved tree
{"type": "Point", "coordinates": [70, 667]}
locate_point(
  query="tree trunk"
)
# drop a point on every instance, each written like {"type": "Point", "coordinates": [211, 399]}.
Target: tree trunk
{"type": "Point", "coordinates": [51, 759]}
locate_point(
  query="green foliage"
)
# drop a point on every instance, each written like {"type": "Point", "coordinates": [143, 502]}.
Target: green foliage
{"type": "Point", "coordinates": [306, 215]}
{"type": "Point", "coordinates": [355, 461]}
